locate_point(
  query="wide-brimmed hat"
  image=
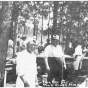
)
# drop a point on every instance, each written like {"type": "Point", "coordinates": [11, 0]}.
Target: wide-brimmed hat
{"type": "Point", "coordinates": [56, 37]}
{"type": "Point", "coordinates": [29, 40]}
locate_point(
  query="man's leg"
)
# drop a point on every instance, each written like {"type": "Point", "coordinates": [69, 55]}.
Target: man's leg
{"type": "Point", "coordinates": [76, 65]}
{"type": "Point", "coordinates": [50, 76]}
{"type": "Point", "coordinates": [59, 69]}
{"type": "Point", "coordinates": [51, 62]}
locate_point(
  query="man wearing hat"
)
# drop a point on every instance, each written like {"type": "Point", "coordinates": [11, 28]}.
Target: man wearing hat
{"type": "Point", "coordinates": [26, 65]}
{"type": "Point", "coordinates": [54, 59]}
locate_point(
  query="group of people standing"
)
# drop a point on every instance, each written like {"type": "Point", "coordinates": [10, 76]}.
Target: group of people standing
{"type": "Point", "coordinates": [54, 61]}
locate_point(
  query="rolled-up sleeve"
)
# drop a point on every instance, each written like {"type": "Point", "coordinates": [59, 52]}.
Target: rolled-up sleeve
{"type": "Point", "coordinates": [46, 52]}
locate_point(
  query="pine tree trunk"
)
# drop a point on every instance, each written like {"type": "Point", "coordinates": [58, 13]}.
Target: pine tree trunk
{"type": "Point", "coordinates": [4, 36]}
{"type": "Point", "coordinates": [3, 51]}
{"type": "Point", "coordinates": [54, 30]}
{"type": "Point", "coordinates": [34, 26]}
{"type": "Point", "coordinates": [15, 36]}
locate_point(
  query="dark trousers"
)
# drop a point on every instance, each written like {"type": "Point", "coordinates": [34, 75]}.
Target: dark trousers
{"type": "Point", "coordinates": [56, 69]}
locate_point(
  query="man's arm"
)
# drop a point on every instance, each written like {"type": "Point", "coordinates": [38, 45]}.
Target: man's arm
{"type": "Point", "coordinates": [62, 55]}
{"type": "Point", "coordinates": [20, 68]}
{"type": "Point", "coordinates": [46, 55]}
{"type": "Point", "coordinates": [46, 63]}
{"type": "Point", "coordinates": [26, 84]}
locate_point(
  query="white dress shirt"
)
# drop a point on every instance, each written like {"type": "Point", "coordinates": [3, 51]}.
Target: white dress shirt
{"type": "Point", "coordinates": [51, 51]}
{"type": "Point", "coordinates": [78, 50]}
{"type": "Point", "coordinates": [26, 65]}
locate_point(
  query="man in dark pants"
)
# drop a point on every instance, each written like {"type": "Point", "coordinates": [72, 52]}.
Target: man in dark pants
{"type": "Point", "coordinates": [54, 60]}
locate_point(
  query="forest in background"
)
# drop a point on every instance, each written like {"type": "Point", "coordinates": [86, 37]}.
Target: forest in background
{"type": "Point", "coordinates": [68, 19]}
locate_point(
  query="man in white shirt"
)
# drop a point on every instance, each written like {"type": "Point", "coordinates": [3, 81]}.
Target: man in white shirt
{"type": "Point", "coordinates": [54, 60]}
{"type": "Point", "coordinates": [77, 64]}
{"type": "Point", "coordinates": [26, 65]}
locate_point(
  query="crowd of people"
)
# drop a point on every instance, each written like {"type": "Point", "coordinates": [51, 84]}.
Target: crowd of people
{"type": "Point", "coordinates": [54, 59]}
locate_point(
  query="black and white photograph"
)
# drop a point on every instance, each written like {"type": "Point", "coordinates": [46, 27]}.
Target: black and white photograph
{"type": "Point", "coordinates": [44, 44]}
